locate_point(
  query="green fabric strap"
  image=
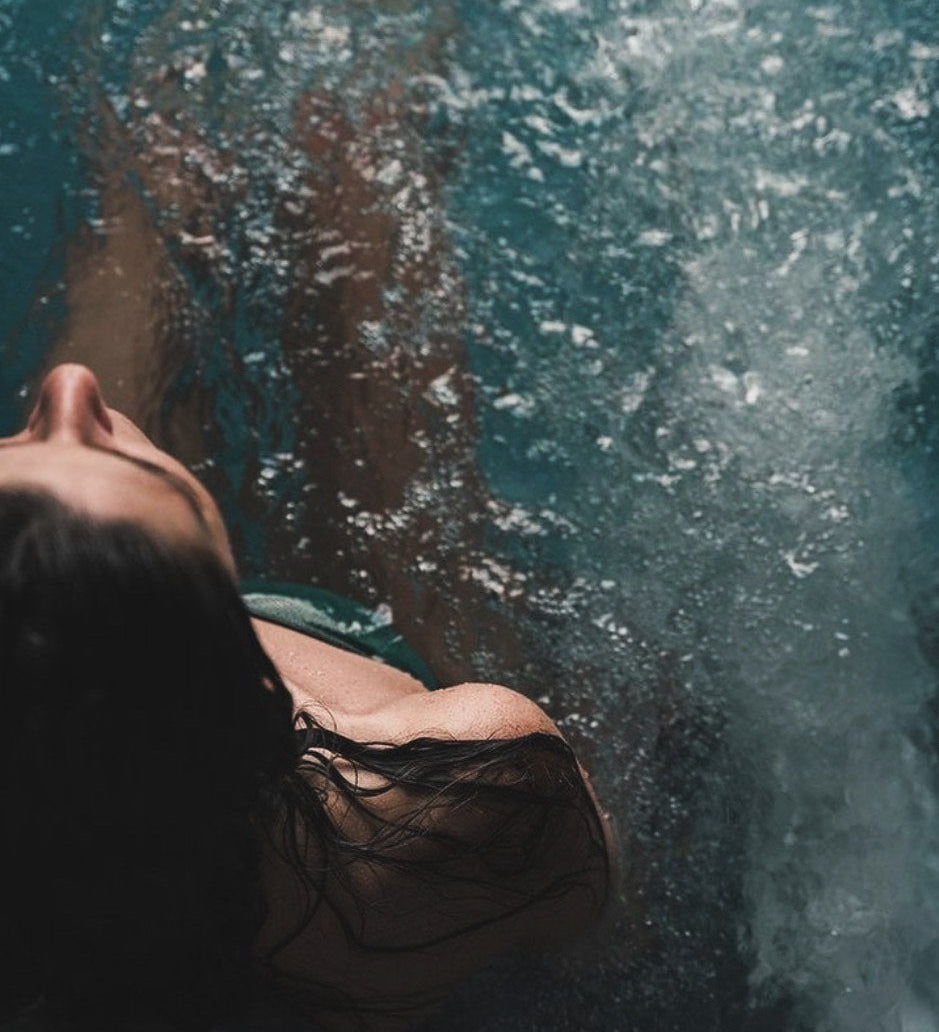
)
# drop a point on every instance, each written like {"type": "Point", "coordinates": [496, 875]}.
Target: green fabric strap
{"type": "Point", "coordinates": [337, 621]}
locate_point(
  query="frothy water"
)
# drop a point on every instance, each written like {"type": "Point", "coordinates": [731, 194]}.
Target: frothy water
{"type": "Point", "coordinates": [677, 265]}
{"type": "Point", "coordinates": [704, 355]}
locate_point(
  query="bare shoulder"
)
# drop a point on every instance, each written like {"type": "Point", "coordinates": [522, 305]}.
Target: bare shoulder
{"type": "Point", "coordinates": [485, 712]}
{"type": "Point", "coordinates": [465, 711]}
{"type": "Point", "coordinates": [493, 841]}
{"type": "Point", "coordinates": [371, 701]}
{"type": "Point", "coordinates": [526, 750]}
{"type": "Point", "coordinates": [477, 711]}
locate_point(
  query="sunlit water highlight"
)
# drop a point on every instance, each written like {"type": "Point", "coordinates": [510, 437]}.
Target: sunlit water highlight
{"type": "Point", "coordinates": [685, 255]}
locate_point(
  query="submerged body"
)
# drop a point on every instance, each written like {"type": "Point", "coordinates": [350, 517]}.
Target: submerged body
{"type": "Point", "coordinates": [403, 840]}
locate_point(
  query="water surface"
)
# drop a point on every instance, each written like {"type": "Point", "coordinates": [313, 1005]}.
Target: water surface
{"type": "Point", "coordinates": [596, 340]}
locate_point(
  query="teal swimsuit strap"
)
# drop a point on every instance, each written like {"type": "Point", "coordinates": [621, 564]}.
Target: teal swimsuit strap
{"type": "Point", "coordinates": [335, 620]}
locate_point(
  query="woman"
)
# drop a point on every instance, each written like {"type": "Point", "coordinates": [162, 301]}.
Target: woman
{"type": "Point", "coordinates": [206, 813]}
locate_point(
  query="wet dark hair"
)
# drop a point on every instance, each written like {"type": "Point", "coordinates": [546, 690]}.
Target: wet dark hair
{"type": "Point", "coordinates": [149, 753]}
{"type": "Point", "coordinates": [142, 731]}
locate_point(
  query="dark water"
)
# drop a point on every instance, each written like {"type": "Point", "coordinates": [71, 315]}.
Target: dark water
{"type": "Point", "coordinates": [598, 342]}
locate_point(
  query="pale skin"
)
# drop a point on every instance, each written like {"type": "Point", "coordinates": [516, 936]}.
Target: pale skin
{"type": "Point", "coordinates": [96, 460]}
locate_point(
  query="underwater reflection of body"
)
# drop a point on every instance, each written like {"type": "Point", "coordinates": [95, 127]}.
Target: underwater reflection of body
{"type": "Point", "coordinates": [375, 434]}
{"type": "Point", "coordinates": [214, 815]}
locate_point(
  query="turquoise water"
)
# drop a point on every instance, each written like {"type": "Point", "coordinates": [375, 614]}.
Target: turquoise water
{"type": "Point", "coordinates": [597, 341]}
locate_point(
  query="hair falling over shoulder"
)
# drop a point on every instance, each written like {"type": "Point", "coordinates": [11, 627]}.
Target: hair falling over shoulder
{"type": "Point", "coordinates": [149, 755]}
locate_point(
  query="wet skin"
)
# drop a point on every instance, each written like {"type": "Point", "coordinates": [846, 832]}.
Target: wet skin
{"type": "Point", "coordinates": [97, 460]}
